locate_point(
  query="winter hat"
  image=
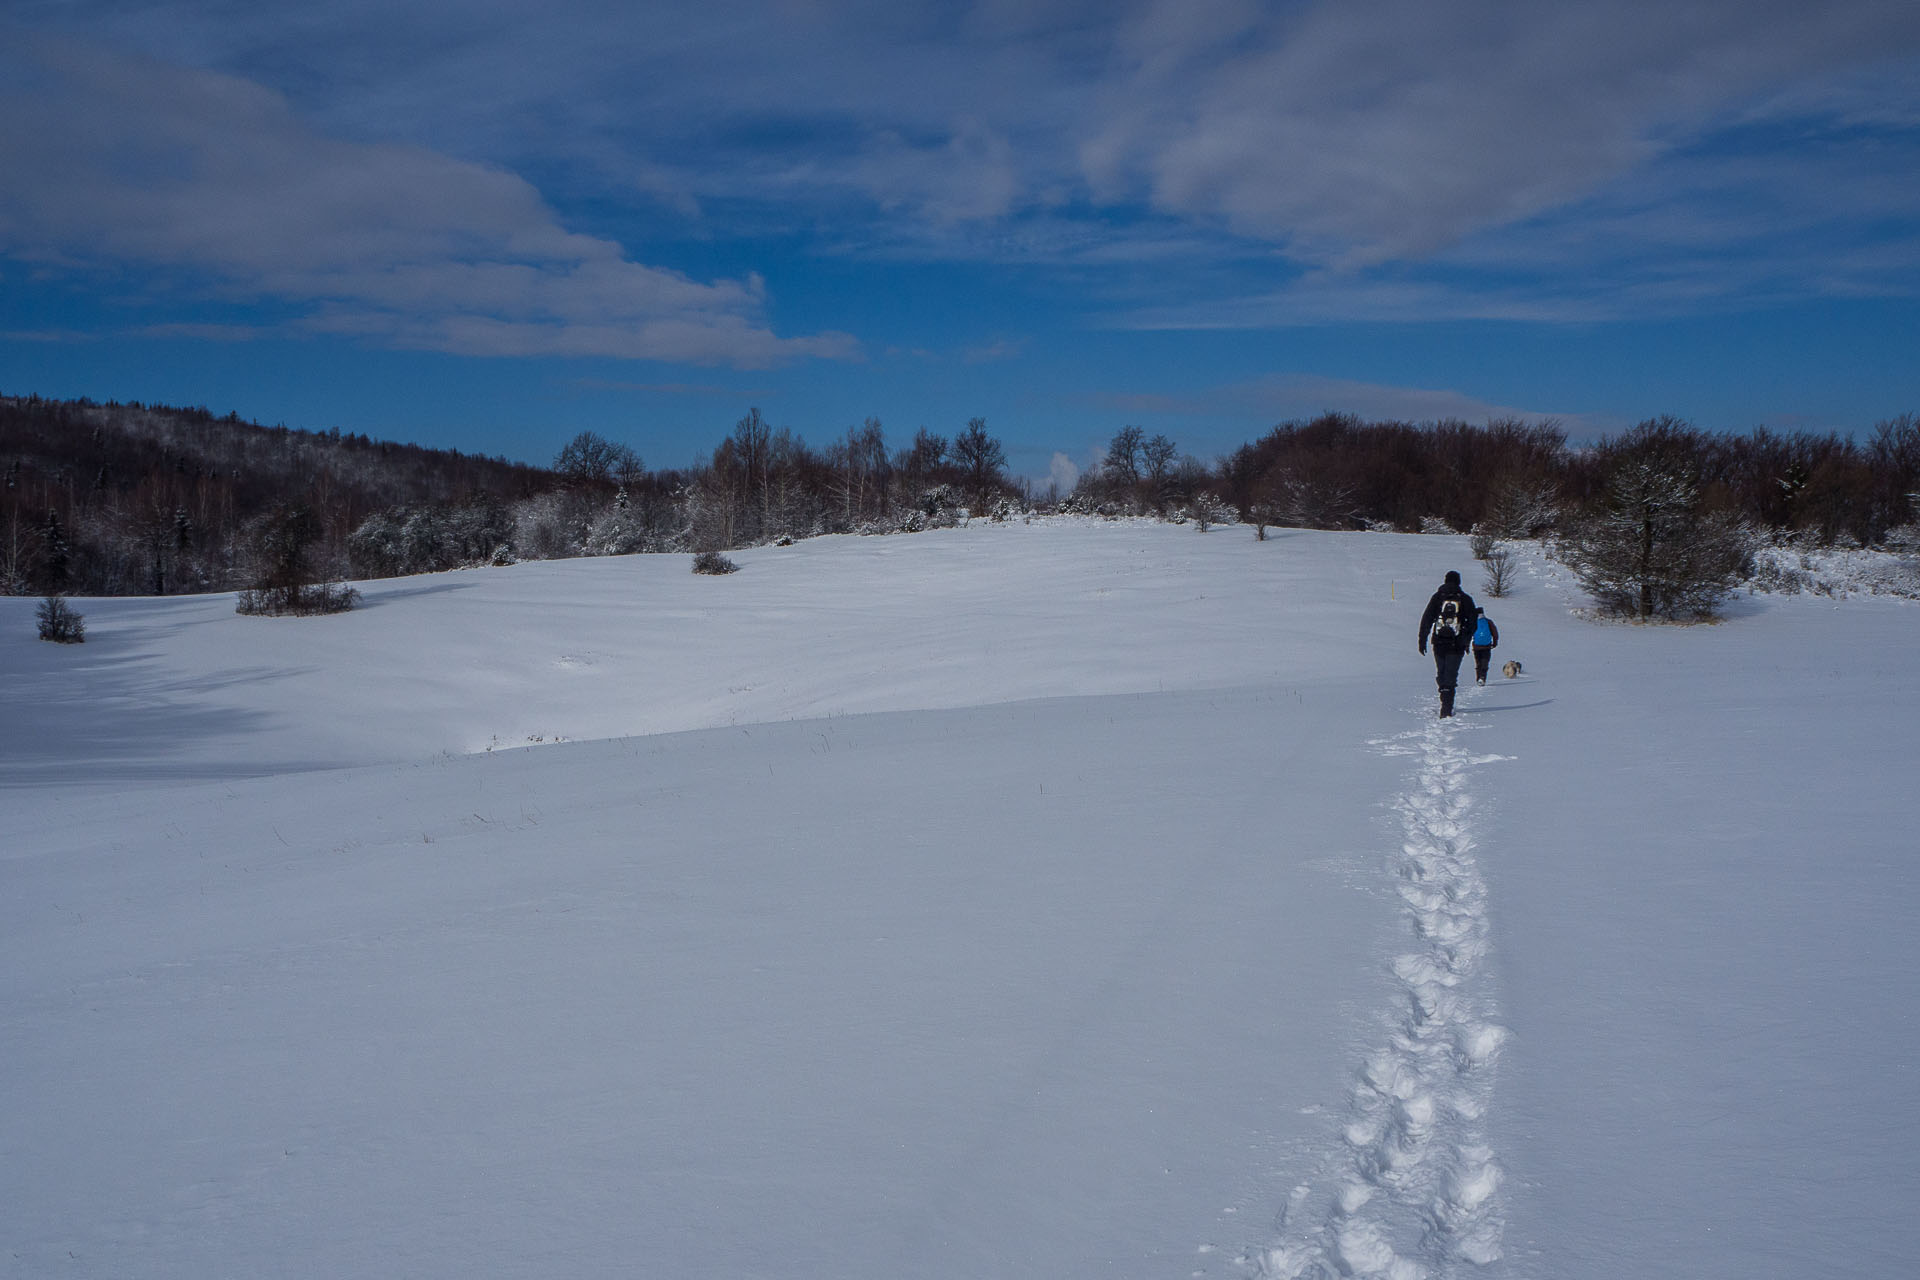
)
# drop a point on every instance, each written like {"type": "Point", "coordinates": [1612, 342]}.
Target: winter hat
{"type": "Point", "coordinates": [1453, 577]}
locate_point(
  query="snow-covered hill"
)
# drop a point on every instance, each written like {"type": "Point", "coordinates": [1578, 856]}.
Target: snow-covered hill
{"type": "Point", "coordinates": [1051, 900]}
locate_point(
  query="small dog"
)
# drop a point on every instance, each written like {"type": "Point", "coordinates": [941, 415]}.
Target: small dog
{"type": "Point", "coordinates": [1510, 669]}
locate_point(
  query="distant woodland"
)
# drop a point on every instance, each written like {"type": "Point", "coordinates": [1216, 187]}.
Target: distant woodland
{"type": "Point", "coordinates": [119, 499]}
{"type": "Point", "coordinates": [130, 499]}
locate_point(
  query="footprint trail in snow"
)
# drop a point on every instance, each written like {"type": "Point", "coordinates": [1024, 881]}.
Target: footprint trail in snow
{"type": "Point", "coordinates": [1414, 1194]}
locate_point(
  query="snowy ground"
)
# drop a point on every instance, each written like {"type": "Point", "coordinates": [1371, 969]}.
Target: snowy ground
{"type": "Point", "coordinates": [1016, 901]}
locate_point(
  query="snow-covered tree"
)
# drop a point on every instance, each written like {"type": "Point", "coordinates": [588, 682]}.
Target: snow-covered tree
{"type": "Point", "coordinates": [1652, 551]}
{"type": "Point", "coordinates": [1522, 508]}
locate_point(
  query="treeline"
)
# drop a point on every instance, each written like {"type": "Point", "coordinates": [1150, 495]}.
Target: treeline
{"type": "Point", "coordinates": [119, 499]}
{"type": "Point", "coordinates": [116, 499]}
{"type": "Point", "coordinates": [1518, 479]}
{"type": "Point", "coordinates": [762, 484]}
{"type": "Point", "coordinates": [132, 499]}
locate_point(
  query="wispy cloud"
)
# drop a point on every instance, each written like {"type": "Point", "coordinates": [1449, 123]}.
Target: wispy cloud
{"type": "Point", "coordinates": [214, 183]}
{"type": "Point", "coordinates": [1243, 164]}
{"type": "Point", "coordinates": [50, 336]}
{"type": "Point", "coordinates": [704, 390]}
{"type": "Point", "coordinates": [1294, 396]}
{"type": "Point", "coordinates": [996, 350]}
{"type": "Point", "coordinates": [224, 333]}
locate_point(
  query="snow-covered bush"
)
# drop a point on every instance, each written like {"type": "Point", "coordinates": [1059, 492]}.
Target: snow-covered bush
{"type": "Point", "coordinates": [550, 526]}
{"type": "Point", "coordinates": [1084, 502]}
{"type": "Point", "coordinates": [1435, 525]}
{"type": "Point", "coordinates": [617, 531]}
{"type": "Point", "coordinates": [1208, 511]}
{"type": "Point", "coordinates": [1793, 565]}
{"type": "Point", "coordinates": [428, 539]}
{"type": "Point", "coordinates": [942, 507]}
{"type": "Point", "coordinates": [1776, 575]}
{"type": "Point", "coordinates": [713, 562]}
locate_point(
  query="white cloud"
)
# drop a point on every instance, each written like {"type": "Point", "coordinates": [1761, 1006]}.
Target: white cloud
{"type": "Point", "coordinates": [1100, 137]}
{"type": "Point", "coordinates": [1062, 472]}
{"type": "Point", "coordinates": [1362, 133]}
{"type": "Point", "coordinates": [213, 181]}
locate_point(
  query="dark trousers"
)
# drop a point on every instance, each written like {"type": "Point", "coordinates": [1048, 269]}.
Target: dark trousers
{"type": "Point", "coordinates": [1446, 670]}
{"type": "Point", "coordinates": [1482, 657]}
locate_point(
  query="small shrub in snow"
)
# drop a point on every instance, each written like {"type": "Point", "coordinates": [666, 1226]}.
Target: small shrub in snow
{"type": "Point", "coordinates": [59, 623]}
{"type": "Point", "coordinates": [1434, 524]}
{"type": "Point", "coordinates": [1774, 576]}
{"type": "Point", "coordinates": [1482, 542]}
{"type": "Point", "coordinates": [1499, 562]}
{"type": "Point", "coordinates": [712, 562]}
{"type": "Point", "coordinates": [1208, 511]}
{"type": "Point", "coordinates": [942, 506]}
{"type": "Point", "coordinates": [298, 601]}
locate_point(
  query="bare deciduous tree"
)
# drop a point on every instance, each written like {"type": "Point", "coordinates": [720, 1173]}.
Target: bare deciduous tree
{"type": "Point", "coordinates": [286, 579]}
{"type": "Point", "coordinates": [1499, 576]}
{"type": "Point", "coordinates": [981, 459]}
{"type": "Point", "coordinates": [59, 623]}
{"type": "Point", "coordinates": [589, 458]}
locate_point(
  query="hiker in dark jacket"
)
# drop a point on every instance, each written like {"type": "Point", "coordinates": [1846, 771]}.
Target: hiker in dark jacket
{"type": "Point", "coordinates": [1485, 637]}
{"type": "Point", "coordinates": [1448, 621]}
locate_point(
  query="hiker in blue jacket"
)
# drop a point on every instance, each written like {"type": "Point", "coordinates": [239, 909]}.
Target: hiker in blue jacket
{"type": "Point", "coordinates": [1448, 621]}
{"type": "Point", "coordinates": [1485, 637]}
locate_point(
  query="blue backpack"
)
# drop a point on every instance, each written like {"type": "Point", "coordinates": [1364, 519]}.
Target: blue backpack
{"type": "Point", "coordinates": [1483, 633]}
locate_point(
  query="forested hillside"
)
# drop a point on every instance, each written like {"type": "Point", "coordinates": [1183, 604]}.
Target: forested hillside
{"type": "Point", "coordinates": [116, 499]}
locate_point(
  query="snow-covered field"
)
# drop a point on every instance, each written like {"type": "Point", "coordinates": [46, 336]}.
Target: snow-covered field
{"type": "Point", "coordinates": [1015, 901]}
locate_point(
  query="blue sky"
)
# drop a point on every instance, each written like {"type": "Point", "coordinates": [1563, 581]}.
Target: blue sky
{"type": "Point", "coordinates": [490, 225]}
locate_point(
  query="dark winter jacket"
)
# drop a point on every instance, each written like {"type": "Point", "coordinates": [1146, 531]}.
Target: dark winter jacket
{"type": "Point", "coordinates": [1449, 590]}
{"type": "Point", "coordinates": [1493, 633]}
